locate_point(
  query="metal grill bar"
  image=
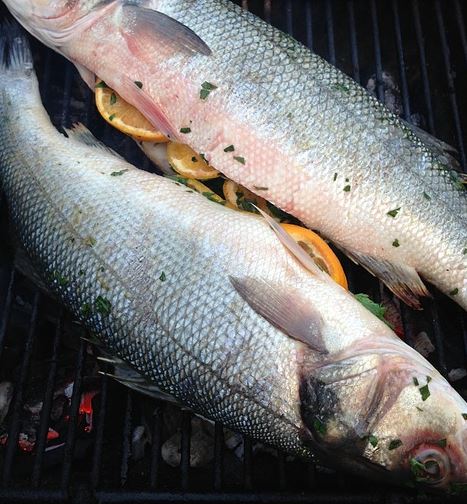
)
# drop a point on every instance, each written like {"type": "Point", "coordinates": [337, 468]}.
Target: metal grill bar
{"type": "Point", "coordinates": [377, 49]}
{"type": "Point", "coordinates": [97, 456]}
{"type": "Point", "coordinates": [353, 41]}
{"type": "Point", "coordinates": [126, 447]}
{"type": "Point", "coordinates": [185, 449]}
{"type": "Point", "coordinates": [156, 447]}
{"type": "Point", "coordinates": [218, 456]}
{"type": "Point", "coordinates": [6, 310]}
{"type": "Point", "coordinates": [460, 23]}
{"type": "Point", "coordinates": [330, 30]}
{"type": "Point", "coordinates": [13, 432]}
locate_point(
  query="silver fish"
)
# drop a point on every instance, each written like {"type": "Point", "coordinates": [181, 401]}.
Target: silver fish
{"type": "Point", "coordinates": [216, 309]}
{"type": "Point", "coordinates": [281, 121]}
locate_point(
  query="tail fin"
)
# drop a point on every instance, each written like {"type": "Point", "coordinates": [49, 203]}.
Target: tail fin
{"type": "Point", "coordinates": [15, 53]}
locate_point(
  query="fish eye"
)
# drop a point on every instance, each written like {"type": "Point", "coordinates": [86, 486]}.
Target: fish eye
{"type": "Point", "coordinates": [429, 465]}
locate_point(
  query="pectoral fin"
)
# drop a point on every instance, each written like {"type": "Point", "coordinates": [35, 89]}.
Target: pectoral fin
{"type": "Point", "coordinates": [139, 21]}
{"type": "Point", "coordinates": [284, 308]}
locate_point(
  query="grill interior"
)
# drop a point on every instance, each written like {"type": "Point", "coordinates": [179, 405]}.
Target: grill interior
{"type": "Point", "coordinates": [422, 46]}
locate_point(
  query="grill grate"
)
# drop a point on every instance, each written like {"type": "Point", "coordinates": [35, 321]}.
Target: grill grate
{"type": "Point", "coordinates": [423, 46]}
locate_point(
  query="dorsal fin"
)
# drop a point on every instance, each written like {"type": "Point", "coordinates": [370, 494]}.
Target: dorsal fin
{"type": "Point", "coordinates": [284, 308]}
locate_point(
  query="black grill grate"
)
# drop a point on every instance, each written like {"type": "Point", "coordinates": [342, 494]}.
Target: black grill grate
{"type": "Point", "coordinates": [423, 46]}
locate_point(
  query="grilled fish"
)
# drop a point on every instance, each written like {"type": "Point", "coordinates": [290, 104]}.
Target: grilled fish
{"type": "Point", "coordinates": [281, 121]}
{"type": "Point", "coordinates": [240, 326]}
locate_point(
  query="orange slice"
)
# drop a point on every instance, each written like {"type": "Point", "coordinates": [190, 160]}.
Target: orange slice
{"type": "Point", "coordinates": [319, 251]}
{"type": "Point", "coordinates": [185, 161]}
{"type": "Point", "coordinates": [241, 198]}
{"type": "Point", "coordinates": [198, 186]}
{"type": "Point", "coordinates": [123, 116]}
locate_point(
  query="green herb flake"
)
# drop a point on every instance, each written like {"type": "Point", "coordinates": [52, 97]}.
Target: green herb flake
{"type": "Point", "coordinates": [394, 444]}
{"type": "Point", "coordinates": [60, 279]}
{"type": "Point", "coordinates": [112, 117]}
{"type": "Point", "coordinates": [86, 309]}
{"type": "Point", "coordinates": [426, 196]}
{"type": "Point", "coordinates": [113, 99]}
{"type": "Point", "coordinates": [240, 159]}
{"type": "Point", "coordinates": [393, 213]}
{"type": "Point", "coordinates": [260, 188]}
{"type": "Point", "coordinates": [335, 177]}
{"type": "Point", "coordinates": [454, 292]}
{"type": "Point", "coordinates": [418, 469]}
{"type": "Point", "coordinates": [415, 381]}
{"type": "Point", "coordinates": [89, 241]}
{"type": "Point", "coordinates": [185, 131]}
{"type": "Point", "coordinates": [319, 427]}
{"type": "Point", "coordinates": [81, 272]}
{"type": "Point", "coordinates": [375, 308]}
{"type": "Point", "coordinates": [373, 440]}
{"type": "Point", "coordinates": [464, 416]}
{"type": "Point", "coordinates": [208, 86]}
{"type": "Point", "coordinates": [424, 392]}
{"type": "Point", "coordinates": [203, 157]}
{"type": "Point", "coordinates": [102, 305]}
{"type": "Point", "coordinates": [464, 251]}
{"type": "Point", "coordinates": [396, 243]}
{"type": "Point", "coordinates": [428, 379]}
{"type": "Point", "coordinates": [204, 93]}
{"type": "Point", "coordinates": [163, 277]}
{"type": "Point", "coordinates": [347, 188]}
{"type": "Point", "coordinates": [442, 442]}
{"type": "Point", "coordinates": [101, 85]}
{"type": "Point", "coordinates": [340, 87]}
{"type": "Point", "coordinates": [230, 148]}
{"type": "Point", "coordinates": [194, 160]}
{"type": "Point", "coordinates": [118, 173]}
{"type": "Point", "coordinates": [139, 84]}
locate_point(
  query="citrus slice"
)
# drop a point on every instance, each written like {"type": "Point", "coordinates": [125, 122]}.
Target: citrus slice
{"type": "Point", "coordinates": [123, 116]}
{"type": "Point", "coordinates": [185, 161]}
{"type": "Point", "coordinates": [198, 186]}
{"type": "Point", "coordinates": [319, 251]}
{"type": "Point", "coordinates": [241, 198]}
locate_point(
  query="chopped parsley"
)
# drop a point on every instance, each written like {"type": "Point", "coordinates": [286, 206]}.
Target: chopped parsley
{"type": "Point", "coordinates": [396, 243]}
{"type": "Point", "coordinates": [81, 272]}
{"type": "Point", "coordinates": [394, 443]}
{"type": "Point", "coordinates": [90, 241]}
{"type": "Point", "coordinates": [230, 148]}
{"type": "Point", "coordinates": [393, 213]}
{"type": "Point", "coordinates": [113, 99]}
{"type": "Point", "coordinates": [415, 381]}
{"type": "Point", "coordinates": [103, 306]}
{"type": "Point", "coordinates": [340, 87]}
{"type": "Point", "coordinates": [139, 84]}
{"type": "Point", "coordinates": [442, 442]}
{"type": "Point", "coordinates": [61, 280]}
{"type": "Point", "coordinates": [464, 416]}
{"type": "Point", "coordinates": [163, 277]}
{"type": "Point", "coordinates": [373, 440]}
{"type": "Point", "coordinates": [418, 469]}
{"type": "Point", "coordinates": [424, 392]}
{"type": "Point", "coordinates": [426, 196]}
{"type": "Point", "coordinates": [101, 85]}
{"type": "Point", "coordinates": [454, 292]}
{"type": "Point", "coordinates": [260, 188]}
{"type": "Point", "coordinates": [185, 131]}
{"type": "Point", "coordinates": [240, 159]}
{"type": "Point", "coordinates": [118, 173]}
{"type": "Point", "coordinates": [464, 251]}
{"type": "Point", "coordinates": [206, 88]}
{"type": "Point", "coordinates": [86, 309]}
{"type": "Point", "coordinates": [112, 117]}
{"type": "Point", "coordinates": [203, 157]}
{"type": "Point", "coordinates": [375, 308]}
{"type": "Point", "coordinates": [347, 188]}
{"type": "Point", "coordinates": [194, 160]}
{"type": "Point", "coordinates": [335, 177]}
{"type": "Point", "coordinates": [319, 427]}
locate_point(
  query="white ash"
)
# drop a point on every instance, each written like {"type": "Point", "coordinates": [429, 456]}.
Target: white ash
{"type": "Point", "coordinates": [457, 374]}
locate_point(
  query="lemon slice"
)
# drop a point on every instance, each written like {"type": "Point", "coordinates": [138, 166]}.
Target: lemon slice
{"type": "Point", "coordinates": [123, 116]}
{"type": "Point", "coordinates": [185, 161]}
{"type": "Point", "coordinates": [319, 251]}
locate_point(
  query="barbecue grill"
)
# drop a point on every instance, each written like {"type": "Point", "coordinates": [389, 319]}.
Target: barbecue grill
{"type": "Point", "coordinates": [413, 55]}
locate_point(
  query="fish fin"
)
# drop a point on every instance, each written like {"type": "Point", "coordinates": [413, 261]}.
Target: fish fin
{"type": "Point", "coordinates": [147, 106]}
{"type": "Point", "coordinates": [80, 133]}
{"type": "Point", "coordinates": [15, 53]}
{"type": "Point", "coordinates": [284, 308]}
{"type": "Point", "coordinates": [139, 20]}
{"type": "Point", "coordinates": [88, 76]}
{"type": "Point", "coordinates": [292, 246]}
{"type": "Point", "coordinates": [443, 150]}
{"type": "Point", "coordinates": [401, 279]}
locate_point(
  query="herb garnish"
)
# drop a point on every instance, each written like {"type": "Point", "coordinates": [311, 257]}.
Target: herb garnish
{"type": "Point", "coordinates": [395, 443]}
{"type": "Point", "coordinates": [102, 306]}
{"type": "Point", "coordinates": [163, 277]}
{"type": "Point", "coordinates": [393, 213]}
{"type": "Point", "coordinates": [375, 308]}
{"type": "Point", "coordinates": [194, 160]}
{"type": "Point", "coordinates": [347, 188]}
{"type": "Point", "coordinates": [464, 416]}
{"type": "Point", "coordinates": [426, 196]}
{"type": "Point", "coordinates": [101, 85]}
{"type": "Point", "coordinates": [340, 87]}
{"type": "Point", "coordinates": [206, 88]}
{"type": "Point", "coordinates": [61, 280]}
{"type": "Point", "coordinates": [415, 381]}
{"type": "Point", "coordinates": [454, 292]}
{"type": "Point", "coordinates": [118, 173]}
{"type": "Point", "coordinates": [112, 117]}
{"type": "Point", "coordinates": [204, 157]}
{"type": "Point", "coordinates": [465, 251]}
{"type": "Point", "coordinates": [139, 84]}
{"type": "Point", "coordinates": [230, 148]}
{"type": "Point", "coordinates": [113, 99]}
{"type": "Point", "coordinates": [396, 243]}
{"type": "Point", "coordinates": [90, 241]}
{"type": "Point", "coordinates": [86, 309]}
{"type": "Point", "coordinates": [319, 427]}
{"type": "Point", "coordinates": [260, 188]}
{"type": "Point", "coordinates": [418, 469]}
{"type": "Point", "coordinates": [442, 442]}
{"type": "Point", "coordinates": [185, 130]}
{"type": "Point", "coordinates": [335, 177]}
{"type": "Point", "coordinates": [424, 392]}
{"type": "Point", "coordinates": [240, 159]}
{"type": "Point", "coordinates": [373, 440]}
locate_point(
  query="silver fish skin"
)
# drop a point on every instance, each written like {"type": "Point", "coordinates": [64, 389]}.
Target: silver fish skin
{"type": "Point", "coordinates": [209, 306]}
{"type": "Point", "coordinates": [327, 151]}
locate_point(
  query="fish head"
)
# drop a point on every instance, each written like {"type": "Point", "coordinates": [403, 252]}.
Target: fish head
{"type": "Point", "coordinates": [388, 414]}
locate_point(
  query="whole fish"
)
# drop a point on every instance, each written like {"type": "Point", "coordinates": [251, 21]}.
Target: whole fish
{"type": "Point", "coordinates": [248, 332]}
{"type": "Point", "coordinates": [281, 121]}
